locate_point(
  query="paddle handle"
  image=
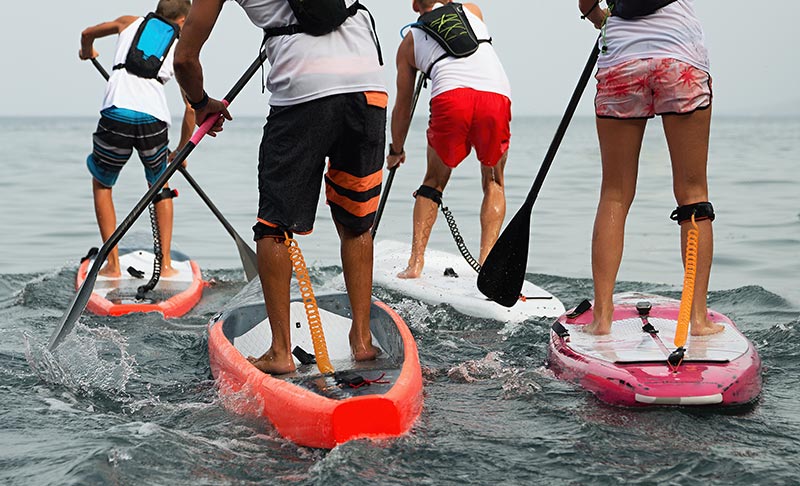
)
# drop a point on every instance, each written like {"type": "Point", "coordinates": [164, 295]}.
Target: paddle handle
{"type": "Point", "coordinates": [82, 296]}
{"type": "Point", "coordinates": [100, 68]}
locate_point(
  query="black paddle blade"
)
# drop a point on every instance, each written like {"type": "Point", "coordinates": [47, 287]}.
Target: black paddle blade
{"type": "Point", "coordinates": [503, 272]}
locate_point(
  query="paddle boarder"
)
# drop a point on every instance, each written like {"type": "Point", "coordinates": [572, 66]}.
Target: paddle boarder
{"type": "Point", "coordinates": [134, 114]}
{"type": "Point", "coordinates": [328, 101]}
{"type": "Point", "coordinates": [470, 107]}
{"type": "Point", "coordinates": [653, 61]}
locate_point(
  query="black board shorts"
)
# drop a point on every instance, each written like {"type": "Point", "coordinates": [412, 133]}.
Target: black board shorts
{"type": "Point", "coordinates": [349, 130]}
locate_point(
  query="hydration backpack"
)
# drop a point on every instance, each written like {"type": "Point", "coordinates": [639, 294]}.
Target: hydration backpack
{"type": "Point", "coordinates": [449, 27]}
{"type": "Point", "coordinates": [150, 46]}
{"type": "Point", "coordinates": [631, 9]}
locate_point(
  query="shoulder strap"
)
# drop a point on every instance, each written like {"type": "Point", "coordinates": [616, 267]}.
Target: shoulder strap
{"type": "Point", "coordinates": [352, 10]}
{"type": "Point", "coordinates": [449, 26]}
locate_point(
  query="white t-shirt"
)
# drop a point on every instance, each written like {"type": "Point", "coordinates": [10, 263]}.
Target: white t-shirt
{"type": "Point", "coordinates": [125, 90]}
{"type": "Point", "coordinates": [482, 71]}
{"type": "Point", "coordinates": [306, 67]}
{"type": "Point", "coordinates": [673, 31]}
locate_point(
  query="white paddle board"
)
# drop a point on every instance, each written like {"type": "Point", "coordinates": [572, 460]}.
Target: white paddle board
{"type": "Point", "coordinates": [457, 288]}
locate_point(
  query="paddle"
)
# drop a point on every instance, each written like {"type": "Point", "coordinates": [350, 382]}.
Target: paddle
{"type": "Point", "coordinates": [385, 195]}
{"type": "Point", "coordinates": [82, 296]}
{"type": "Point", "coordinates": [246, 254]}
{"type": "Point", "coordinates": [503, 271]}
{"type": "Point", "coordinates": [100, 68]}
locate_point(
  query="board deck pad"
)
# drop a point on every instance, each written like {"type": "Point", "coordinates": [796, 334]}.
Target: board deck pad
{"type": "Point", "coordinates": [123, 289]}
{"type": "Point", "coordinates": [627, 343]}
{"type": "Point", "coordinates": [336, 328]}
{"type": "Point", "coordinates": [434, 287]}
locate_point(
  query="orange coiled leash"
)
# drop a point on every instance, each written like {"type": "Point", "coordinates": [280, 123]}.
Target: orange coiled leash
{"type": "Point", "coordinates": [685, 311]}
{"type": "Point", "coordinates": [310, 303]}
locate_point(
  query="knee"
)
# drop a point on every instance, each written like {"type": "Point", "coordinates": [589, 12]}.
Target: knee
{"type": "Point", "coordinates": [617, 197]}
{"type": "Point", "coordinates": [490, 185]}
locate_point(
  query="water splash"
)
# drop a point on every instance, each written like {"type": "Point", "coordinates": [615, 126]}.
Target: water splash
{"type": "Point", "coordinates": [516, 382]}
{"type": "Point", "coordinates": [416, 314]}
{"type": "Point", "coordinates": [489, 367]}
{"type": "Point", "coordinates": [88, 361]}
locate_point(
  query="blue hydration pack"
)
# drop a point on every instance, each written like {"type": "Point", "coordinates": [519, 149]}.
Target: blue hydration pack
{"type": "Point", "coordinates": [150, 46]}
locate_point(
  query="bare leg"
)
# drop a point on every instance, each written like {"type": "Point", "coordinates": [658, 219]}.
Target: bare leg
{"type": "Point", "coordinates": [107, 221]}
{"type": "Point", "coordinates": [493, 209]}
{"type": "Point", "coordinates": [275, 271]}
{"type": "Point", "coordinates": [620, 144]}
{"type": "Point", "coordinates": [356, 252]}
{"type": "Point", "coordinates": [425, 211]}
{"type": "Point", "coordinates": [164, 214]}
{"type": "Point", "coordinates": [687, 137]}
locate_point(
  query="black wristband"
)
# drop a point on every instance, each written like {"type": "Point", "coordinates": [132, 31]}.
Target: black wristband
{"type": "Point", "coordinates": [200, 104]}
{"type": "Point", "coordinates": [393, 152]}
{"type": "Point", "coordinates": [596, 3]}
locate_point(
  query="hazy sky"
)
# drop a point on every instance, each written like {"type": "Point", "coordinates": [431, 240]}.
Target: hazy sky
{"type": "Point", "coordinates": [543, 46]}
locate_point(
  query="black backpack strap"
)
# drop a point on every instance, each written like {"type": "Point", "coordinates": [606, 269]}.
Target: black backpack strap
{"type": "Point", "coordinates": [353, 9]}
{"type": "Point", "coordinates": [299, 29]}
{"type": "Point", "coordinates": [285, 30]}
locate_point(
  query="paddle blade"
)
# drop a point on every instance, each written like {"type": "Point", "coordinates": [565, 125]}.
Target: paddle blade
{"type": "Point", "coordinates": [249, 259]}
{"type": "Point", "coordinates": [76, 307]}
{"type": "Point", "coordinates": [503, 272]}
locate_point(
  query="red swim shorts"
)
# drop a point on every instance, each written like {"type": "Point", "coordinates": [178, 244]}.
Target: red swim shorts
{"type": "Point", "coordinates": [464, 118]}
{"type": "Point", "coordinates": [643, 88]}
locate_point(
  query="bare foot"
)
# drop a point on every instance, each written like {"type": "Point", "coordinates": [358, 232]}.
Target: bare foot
{"type": "Point", "coordinates": [597, 328]}
{"type": "Point", "coordinates": [414, 268]}
{"type": "Point", "coordinates": [168, 272]}
{"type": "Point", "coordinates": [409, 273]}
{"type": "Point", "coordinates": [707, 328]}
{"type": "Point", "coordinates": [108, 271]}
{"type": "Point", "coordinates": [363, 350]}
{"type": "Point", "coordinates": [270, 363]}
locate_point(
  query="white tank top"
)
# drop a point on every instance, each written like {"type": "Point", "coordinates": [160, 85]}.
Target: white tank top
{"type": "Point", "coordinates": [673, 31]}
{"type": "Point", "coordinates": [305, 67]}
{"type": "Point", "coordinates": [482, 71]}
{"type": "Point", "coordinates": [124, 90]}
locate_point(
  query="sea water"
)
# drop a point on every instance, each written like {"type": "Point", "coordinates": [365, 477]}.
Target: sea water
{"type": "Point", "coordinates": [130, 400]}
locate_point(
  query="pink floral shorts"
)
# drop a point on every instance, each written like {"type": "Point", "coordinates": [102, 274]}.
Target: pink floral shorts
{"type": "Point", "coordinates": [643, 88]}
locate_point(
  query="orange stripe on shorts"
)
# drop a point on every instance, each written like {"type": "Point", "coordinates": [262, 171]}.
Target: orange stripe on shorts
{"type": "Point", "coordinates": [377, 98]}
{"type": "Point", "coordinates": [358, 209]}
{"type": "Point", "coordinates": [353, 183]}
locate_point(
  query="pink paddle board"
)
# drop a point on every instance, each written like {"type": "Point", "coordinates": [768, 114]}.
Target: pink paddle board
{"type": "Point", "coordinates": [630, 367]}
